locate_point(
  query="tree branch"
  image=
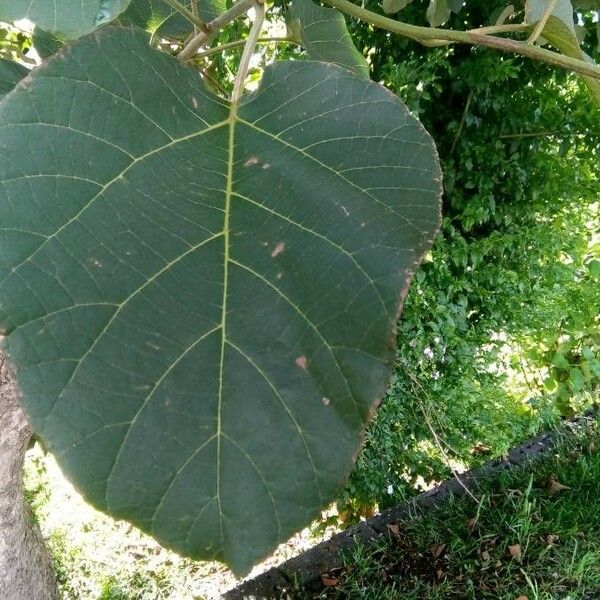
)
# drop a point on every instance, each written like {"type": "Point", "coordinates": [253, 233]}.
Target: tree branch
{"type": "Point", "coordinates": [427, 34]}
{"type": "Point", "coordinates": [240, 76]}
{"type": "Point", "coordinates": [238, 43]}
{"type": "Point", "coordinates": [212, 28]}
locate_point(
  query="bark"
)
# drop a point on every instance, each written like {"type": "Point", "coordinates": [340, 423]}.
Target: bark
{"type": "Point", "coordinates": [25, 566]}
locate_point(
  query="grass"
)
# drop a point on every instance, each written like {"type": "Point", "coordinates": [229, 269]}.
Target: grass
{"type": "Point", "coordinates": [525, 537]}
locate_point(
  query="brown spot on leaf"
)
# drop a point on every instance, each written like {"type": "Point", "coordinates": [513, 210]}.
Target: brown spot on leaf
{"type": "Point", "coordinates": [194, 101]}
{"type": "Point", "coordinates": [266, 166]}
{"type": "Point", "coordinates": [251, 161]}
{"type": "Point", "coordinates": [325, 400]}
{"type": "Point", "coordinates": [278, 250]}
{"type": "Point", "coordinates": [301, 362]}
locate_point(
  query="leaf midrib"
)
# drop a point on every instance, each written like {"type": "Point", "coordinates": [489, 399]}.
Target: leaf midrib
{"type": "Point", "coordinates": [227, 211]}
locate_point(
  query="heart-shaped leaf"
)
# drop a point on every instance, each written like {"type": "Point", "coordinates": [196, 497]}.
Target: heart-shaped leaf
{"type": "Point", "coordinates": [69, 18]}
{"type": "Point", "coordinates": [199, 299]}
{"type": "Point", "coordinates": [324, 34]}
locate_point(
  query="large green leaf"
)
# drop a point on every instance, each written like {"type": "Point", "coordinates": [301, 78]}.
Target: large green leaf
{"type": "Point", "coordinates": [324, 34]}
{"type": "Point", "coordinates": [10, 74]}
{"type": "Point", "coordinates": [200, 299]}
{"type": "Point", "coordinates": [559, 31]}
{"type": "Point", "coordinates": [159, 18]}
{"type": "Point", "coordinates": [69, 18]}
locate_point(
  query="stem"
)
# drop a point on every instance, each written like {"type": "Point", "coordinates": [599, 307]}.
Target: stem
{"type": "Point", "coordinates": [539, 27]}
{"type": "Point", "coordinates": [238, 43]}
{"type": "Point", "coordinates": [467, 37]}
{"type": "Point", "coordinates": [462, 121]}
{"type": "Point", "coordinates": [194, 8]}
{"type": "Point", "coordinates": [501, 28]}
{"type": "Point", "coordinates": [212, 28]}
{"type": "Point", "coordinates": [240, 77]}
{"type": "Point", "coordinates": [187, 14]}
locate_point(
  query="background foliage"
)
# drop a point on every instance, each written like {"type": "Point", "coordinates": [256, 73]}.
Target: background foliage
{"type": "Point", "coordinates": [500, 330]}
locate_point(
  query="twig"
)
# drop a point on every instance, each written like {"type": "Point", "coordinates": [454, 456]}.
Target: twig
{"type": "Point", "coordinates": [240, 76]}
{"type": "Point", "coordinates": [421, 34]}
{"type": "Point", "coordinates": [539, 27]}
{"type": "Point", "coordinates": [238, 43]}
{"type": "Point", "coordinates": [501, 28]}
{"type": "Point", "coordinates": [462, 122]}
{"type": "Point", "coordinates": [212, 28]}
{"type": "Point", "coordinates": [194, 7]}
{"type": "Point", "coordinates": [480, 30]}
{"type": "Point", "coordinates": [438, 442]}
{"type": "Point", "coordinates": [455, 473]}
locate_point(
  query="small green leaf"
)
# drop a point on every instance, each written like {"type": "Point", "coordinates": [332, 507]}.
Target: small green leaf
{"type": "Point", "coordinates": [68, 18]}
{"type": "Point", "coordinates": [593, 268]}
{"type": "Point", "coordinates": [10, 74]}
{"type": "Point", "coordinates": [325, 36]}
{"type": "Point", "coordinates": [393, 6]}
{"type": "Point", "coordinates": [576, 380]}
{"type": "Point", "coordinates": [199, 299]}
{"type": "Point", "coordinates": [560, 361]}
{"type": "Point", "coordinates": [438, 12]}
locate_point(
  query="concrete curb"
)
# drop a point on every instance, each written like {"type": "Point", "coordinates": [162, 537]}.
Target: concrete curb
{"type": "Point", "coordinates": [307, 568]}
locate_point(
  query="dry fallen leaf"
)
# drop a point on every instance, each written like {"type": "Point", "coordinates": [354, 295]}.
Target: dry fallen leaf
{"type": "Point", "coordinates": [471, 524]}
{"type": "Point", "coordinates": [552, 538]}
{"type": "Point", "coordinates": [554, 486]}
{"type": "Point", "coordinates": [393, 527]}
{"type": "Point", "coordinates": [437, 550]}
{"type": "Point", "coordinates": [485, 555]}
{"type": "Point", "coordinates": [329, 580]}
{"type": "Point", "coordinates": [522, 597]}
{"type": "Point", "coordinates": [480, 448]}
{"type": "Point", "coordinates": [515, 550]}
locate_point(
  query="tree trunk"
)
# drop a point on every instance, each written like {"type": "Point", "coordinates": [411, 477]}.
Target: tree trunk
{"type": "Point", "coordinates": [25, 568]}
